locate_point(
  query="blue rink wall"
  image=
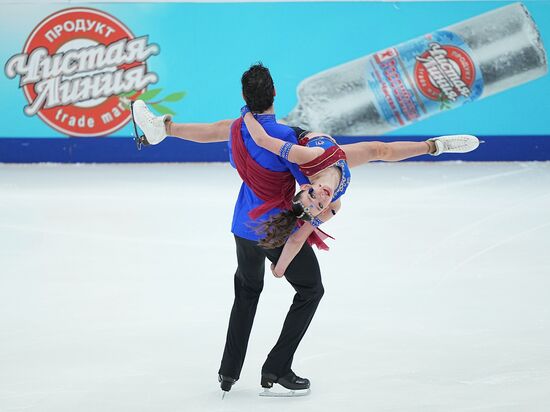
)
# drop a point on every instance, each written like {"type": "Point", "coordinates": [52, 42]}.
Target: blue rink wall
{"type": "Point", "coordinates": [203, 48]}
{"type": "Point", "coordinates": [95, 150]}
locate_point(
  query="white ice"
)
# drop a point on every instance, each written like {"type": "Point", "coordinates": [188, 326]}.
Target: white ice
{"type": "Point", "coordinates": [116, 287]}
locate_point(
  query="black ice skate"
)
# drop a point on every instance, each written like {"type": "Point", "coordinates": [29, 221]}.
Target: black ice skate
{"type": "Point", "coordinates": [295, 385]}
{"type": "Point", "coordinates": [226, 382]}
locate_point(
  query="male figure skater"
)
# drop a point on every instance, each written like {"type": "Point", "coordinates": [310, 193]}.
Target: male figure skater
{"type": "Point", "coordinates": [266, 179]}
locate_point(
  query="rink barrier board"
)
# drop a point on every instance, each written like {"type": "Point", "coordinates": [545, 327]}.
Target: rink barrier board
{"type": "Point", "coordinates": [123, 150]}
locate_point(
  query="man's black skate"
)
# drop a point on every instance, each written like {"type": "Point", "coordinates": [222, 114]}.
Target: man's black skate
{"type": "Point", "coordinates": [226, 382]}
{"type": "Point", "coordinates": [296, 386]}
{"type": "Point", "coordinates": [140, 140]}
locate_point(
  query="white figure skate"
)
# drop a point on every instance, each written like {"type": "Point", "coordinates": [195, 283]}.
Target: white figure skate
{"type": "Point", "coordinates": [153, 127]}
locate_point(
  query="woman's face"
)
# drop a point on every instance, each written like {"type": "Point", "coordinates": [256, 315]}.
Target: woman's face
{"type": "Point", "coordinates": [316, 198]}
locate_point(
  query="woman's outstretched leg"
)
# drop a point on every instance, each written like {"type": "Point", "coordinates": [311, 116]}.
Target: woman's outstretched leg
{"type": "Point", "coordinates": [363, 152]}
{"type": "Point", "coordinates": [200, 132]}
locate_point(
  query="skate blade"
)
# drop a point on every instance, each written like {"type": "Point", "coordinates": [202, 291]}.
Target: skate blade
{"type": "Point", "coordinates": [139, 139]}
{"type": "Point", "coordinates": [269, 393]}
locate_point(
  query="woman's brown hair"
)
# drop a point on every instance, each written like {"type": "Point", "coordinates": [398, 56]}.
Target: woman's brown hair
{"type": "Point", "coordinates": [279, 227]}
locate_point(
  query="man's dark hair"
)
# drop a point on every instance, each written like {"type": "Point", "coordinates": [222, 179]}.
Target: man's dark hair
{"type": "Point", "coordinates": [258, 89]}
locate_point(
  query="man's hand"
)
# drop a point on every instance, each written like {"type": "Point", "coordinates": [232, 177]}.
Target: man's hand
{"type": "Point", "coordinates": [244, 111]}
{"type": "Point", "coordinates": [275, 273]}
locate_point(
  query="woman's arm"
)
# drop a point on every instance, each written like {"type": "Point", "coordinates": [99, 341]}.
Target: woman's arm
{"type": "Point", "coordinates": [328, 214]}
{"type": "Point", "coordinates": [201, 132]}
{"type": "Point", "coordinates": [297, 154]}
{"type": "Point", "coordinates": [298, 238]}
{"type": "Point", "coordinates": [291, 249]}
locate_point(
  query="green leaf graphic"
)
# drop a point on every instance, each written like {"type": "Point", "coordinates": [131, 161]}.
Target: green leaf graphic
{"type": "Point", "coordinates": [127, 94]}
{"type": "Point", "coordinates": [149, 94]}
{"type": "Point", "coordinates": [174, 97]}
{"type": "Point", "coordinates": [159, 108]}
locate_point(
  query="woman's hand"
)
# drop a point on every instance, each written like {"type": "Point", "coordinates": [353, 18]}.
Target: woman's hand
{"type": "Point", "coordinates": [275, 273]}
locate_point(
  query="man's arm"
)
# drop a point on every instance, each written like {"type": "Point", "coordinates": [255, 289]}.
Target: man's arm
{"type": "Point", "coordinates": [201, 132]}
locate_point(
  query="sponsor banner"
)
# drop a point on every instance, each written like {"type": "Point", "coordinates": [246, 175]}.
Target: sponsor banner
{"type": "Point", "coordinates": [71, 72]}
{"type": "Point", "coordinates": [76, 69]}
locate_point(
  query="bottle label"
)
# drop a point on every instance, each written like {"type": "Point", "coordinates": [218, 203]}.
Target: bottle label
{"type": "Point", "coordinates": [423, 76]}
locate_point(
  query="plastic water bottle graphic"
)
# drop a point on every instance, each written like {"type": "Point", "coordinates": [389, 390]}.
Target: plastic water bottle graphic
{"type": "Point", "coordinates": [406, 83]}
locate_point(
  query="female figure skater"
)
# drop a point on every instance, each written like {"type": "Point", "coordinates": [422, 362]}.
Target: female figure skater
{"type": "Point", "coordinates": [325, 163]}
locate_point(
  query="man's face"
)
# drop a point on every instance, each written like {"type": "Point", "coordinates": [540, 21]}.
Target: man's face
{"type": "Point", "coordinates": [316, 198]}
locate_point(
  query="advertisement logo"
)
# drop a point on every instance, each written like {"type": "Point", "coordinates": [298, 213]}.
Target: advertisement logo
{"type": "Point", "coordinates": [385, 55]}
{"type": "Point", "coordinates": [77, 69]}
{"type": "Point", "coordinates": [445, 73]}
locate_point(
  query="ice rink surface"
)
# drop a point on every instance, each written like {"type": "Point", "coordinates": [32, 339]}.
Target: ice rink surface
{"type": "Point", "coordinates": [116, 287]}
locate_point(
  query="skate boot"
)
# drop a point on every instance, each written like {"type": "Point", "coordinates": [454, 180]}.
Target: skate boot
{"type": "Point", "coordinates": [295, 385]}
{"type": "Point", "coordinates": [153, 127]}
{"type": "Point", "coordinates": [226, 382]}
{"type": "Point", "coordinates": [458, 143]}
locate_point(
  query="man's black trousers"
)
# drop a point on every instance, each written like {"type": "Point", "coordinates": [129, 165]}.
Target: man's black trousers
{"type": "Point", "coordinates": [305, 277]}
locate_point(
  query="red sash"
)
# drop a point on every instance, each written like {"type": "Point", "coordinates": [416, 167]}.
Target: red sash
{"type": "Point", "coordinates": [276, 189]}
{"type": "Point", "coordinates": [327, 159]}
